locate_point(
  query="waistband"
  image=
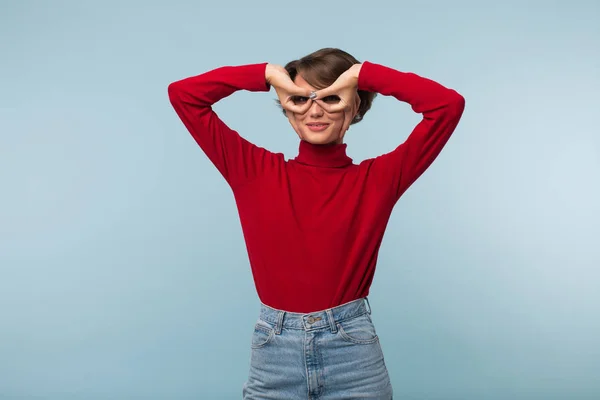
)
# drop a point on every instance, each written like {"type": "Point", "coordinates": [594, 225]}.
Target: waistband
{"type": "Point", "coordinates": [314, 320]}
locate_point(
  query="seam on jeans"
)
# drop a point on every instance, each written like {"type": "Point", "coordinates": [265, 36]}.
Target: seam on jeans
{"type": "Point", "coordinates": [306, 366]}
{"type": "Point", "coordinates": [347, 337]}
{"type": "Point", "coordinates": [266, 330]}
{"type": "Point", "coordinates": [279, 325]}
{"type": "Point", "coordinates": [320, 370]}
{"type": "Point", "coordinates": [263, 330]}
{"type": "Point", "coordinates": [331, 321]}
{"type": "Point", "coordinates": [351, 317]}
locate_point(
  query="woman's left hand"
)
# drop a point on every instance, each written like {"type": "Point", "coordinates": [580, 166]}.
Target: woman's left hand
{"type": "Point", "coordinates": [346, 89]}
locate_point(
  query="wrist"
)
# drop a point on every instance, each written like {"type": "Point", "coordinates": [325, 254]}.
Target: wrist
{"type": "Point", "coordinates": [268, 70]}
{"type": "Point", "coordinates": [356, 70]}
{"type": "Point", "coordinates": [361, 76]}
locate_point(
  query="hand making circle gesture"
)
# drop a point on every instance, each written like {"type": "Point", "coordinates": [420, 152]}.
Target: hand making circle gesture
{"type": "Point", "coordinates": [342, 95]}
{"type": "Point", "coordinates": [287, 91]}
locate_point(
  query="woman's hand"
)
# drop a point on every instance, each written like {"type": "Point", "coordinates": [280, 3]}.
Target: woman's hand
{"type": "Point", "coordinates": [287, 91]}
{"type": "Point", "coordinates": [342, 95]}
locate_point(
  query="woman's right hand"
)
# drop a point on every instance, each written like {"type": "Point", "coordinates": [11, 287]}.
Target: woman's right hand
{"type": "Point", "coordinates": [287, 91]}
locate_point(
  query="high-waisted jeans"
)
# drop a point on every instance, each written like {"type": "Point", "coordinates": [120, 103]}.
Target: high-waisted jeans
{"type": "Point", "coordinates": [332, 354]}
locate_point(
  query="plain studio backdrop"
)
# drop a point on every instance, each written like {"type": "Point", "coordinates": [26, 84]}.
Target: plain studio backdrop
{"type": "Point", "coordinates": [123, 270]}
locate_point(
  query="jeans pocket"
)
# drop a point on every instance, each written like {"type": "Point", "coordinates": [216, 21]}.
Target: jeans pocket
{"type": "Point", "coordinates": [263, 333]}
{"type": "Point", "coordinates": [358, 330]}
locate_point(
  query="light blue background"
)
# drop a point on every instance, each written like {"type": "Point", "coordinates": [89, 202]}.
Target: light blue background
{"type": "Point", "coordinates": [123, 271]}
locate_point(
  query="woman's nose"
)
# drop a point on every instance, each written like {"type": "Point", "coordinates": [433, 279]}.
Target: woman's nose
{"type": "Point", "coordinates": [315, 109]}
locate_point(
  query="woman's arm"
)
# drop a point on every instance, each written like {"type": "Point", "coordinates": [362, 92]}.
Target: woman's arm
{"type": "Point", "coordinates": [237, 159]}
{"type": "Point", "coordinates": [441, 108]}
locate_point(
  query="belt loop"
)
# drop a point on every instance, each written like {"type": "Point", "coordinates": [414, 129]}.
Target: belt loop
{"type": "Point", "coordinates": [332, 324]}
{"type": "Point", "coordinates": [369, 310]}
{"type": "Point", "coordinates": [279, 322]}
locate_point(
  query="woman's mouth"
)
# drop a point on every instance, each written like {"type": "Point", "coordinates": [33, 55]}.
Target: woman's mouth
{"type": "Point", "coordinates": [317, 127]}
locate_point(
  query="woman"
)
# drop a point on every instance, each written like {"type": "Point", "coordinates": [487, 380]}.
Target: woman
{"type": "Point", "coordinates": [313, 224]}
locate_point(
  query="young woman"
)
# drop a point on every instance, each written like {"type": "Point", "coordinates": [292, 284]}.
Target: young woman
{"type": "Point", "coordinates": [313, 224]}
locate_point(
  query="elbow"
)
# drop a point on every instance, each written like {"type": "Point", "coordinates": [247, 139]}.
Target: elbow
{"type": "Point", "coordinates": [174, 92]}
{"type": "Point", "coordinates": [172, 89]}
{"type": "Point", "coordinates": [457, 102]}
{"type": "Point", "coordinates": [458, 99]}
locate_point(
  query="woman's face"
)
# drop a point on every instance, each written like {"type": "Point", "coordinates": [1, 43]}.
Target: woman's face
{"type": "Point", "coordinates": [316, 125]}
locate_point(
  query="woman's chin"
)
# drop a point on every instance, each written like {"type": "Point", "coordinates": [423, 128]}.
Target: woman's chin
{"type": "Point", "coordinates": [313, 138]}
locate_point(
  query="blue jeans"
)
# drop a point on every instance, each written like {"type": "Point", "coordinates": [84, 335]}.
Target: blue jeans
{"type": "Point", "coordinates": [332, 354]}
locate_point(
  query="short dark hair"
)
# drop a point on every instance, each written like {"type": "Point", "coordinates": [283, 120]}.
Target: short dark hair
{"type": "Point", "coordinates": [322, 67]}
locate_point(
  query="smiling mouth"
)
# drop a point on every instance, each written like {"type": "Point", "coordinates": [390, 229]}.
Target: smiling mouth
{"type": "Point", "coordinates": [317, 127]}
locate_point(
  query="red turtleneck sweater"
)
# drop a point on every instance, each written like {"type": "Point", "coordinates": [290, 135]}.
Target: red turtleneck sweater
{"type": "Point", "coordinates": [313, 224]}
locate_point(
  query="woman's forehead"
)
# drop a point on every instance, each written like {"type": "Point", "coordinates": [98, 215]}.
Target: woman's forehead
{"type": "Point", "coordinates": [300, 81]}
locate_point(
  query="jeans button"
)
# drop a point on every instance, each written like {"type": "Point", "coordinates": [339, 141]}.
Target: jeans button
{"type": "Point", "coordinates": [311, 320]}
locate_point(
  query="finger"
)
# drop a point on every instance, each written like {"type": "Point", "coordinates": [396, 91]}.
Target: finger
{"type": "Point", "coordinates": [324, 106]}
{"type": "Point", "coordinates": [298, 91]}
{"type": "Point", "coordinates": [331, 108]}
{"type": "Point", "coordinates": [294, 90]}
{"type": "Point", "coordinates": [296, 108]}
{"type": "Point", "coordinates": [328, 91]}
{"type": "Point", "coordinates": [352, 104]}
{"type": "Point", "coordinates": [287, 86]}
{"type": "Point", "coordinates": [293, 122]}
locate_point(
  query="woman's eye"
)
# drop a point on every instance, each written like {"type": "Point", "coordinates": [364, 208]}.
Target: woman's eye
{"type": "Point", "coordinates": [299, 99]}
{"type": "Point", "coordinates": [331, 99]}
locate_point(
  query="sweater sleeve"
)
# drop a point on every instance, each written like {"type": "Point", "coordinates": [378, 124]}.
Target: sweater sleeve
{"type": "Point", "coordinates": [441, 108]}
{"type": "Point", "coordinates": [236, 158]}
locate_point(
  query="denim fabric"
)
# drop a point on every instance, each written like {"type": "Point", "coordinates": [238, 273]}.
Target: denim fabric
{"type": "Point", "coordinates": [332, 354]}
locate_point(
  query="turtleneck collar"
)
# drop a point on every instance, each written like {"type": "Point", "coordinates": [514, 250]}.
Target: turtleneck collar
{"type": "Point", "coordinates": [330, 155]}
